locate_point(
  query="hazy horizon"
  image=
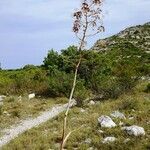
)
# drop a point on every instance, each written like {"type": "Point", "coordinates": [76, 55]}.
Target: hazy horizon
{"type": "Point", "coordinates": [29, 28]}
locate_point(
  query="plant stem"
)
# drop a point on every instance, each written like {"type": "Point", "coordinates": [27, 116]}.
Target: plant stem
{"type": "Point", "coordinates": [68, 107]}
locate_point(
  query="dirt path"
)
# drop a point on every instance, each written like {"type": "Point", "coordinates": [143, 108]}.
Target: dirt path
{"type": "Point", "coordinates": [25, 125]}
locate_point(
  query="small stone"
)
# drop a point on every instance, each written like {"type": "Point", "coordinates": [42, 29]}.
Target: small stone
{"type": "Point", "coordinates": [82, 110]}
{"type": "Point", "coordinates": [31, 96]}
{"type": "Point", "coordinates": [100, 131]}
{"type": "Point", "coordinates": [109, 139]}
{"type": "Point", "coordinates": [106, 121]}
{"type": "Point", "coordinates": [2, 97]}
{"type": "Point", "coordinates": [117, 114]}
{"type": "Point", "coordinates": [88, 141]}
{"type": "Point", "coordinates": [134, 130]}
{"type": "Point", "coordinates": [91, 103]}
{"type": "Point", "coordinates": [131, 118]}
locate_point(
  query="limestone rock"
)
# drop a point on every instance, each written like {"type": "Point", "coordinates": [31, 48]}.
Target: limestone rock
{"type": "Point", "coordinates": [109, 139]}
{"type": "Point", "coordinates": [82, 110]}
{"type": "Point", "coordinates": [31, 96]}
{"type": "Point", "coordinates": [134, 130]}
{"type": "Point", "coordinates": [2, 97]}
{"type": "Point", "coordinates": [106, 121]}
{"type": "Point", "coordinates": [88, 141]}
{"type": "Point", "coordinates": [91, 103]}
{"type": "Point", "coordinates": [117, 114]}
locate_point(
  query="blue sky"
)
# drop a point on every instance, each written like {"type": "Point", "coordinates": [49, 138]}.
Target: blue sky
{"type": "Point", "coordinates": [29, 28]}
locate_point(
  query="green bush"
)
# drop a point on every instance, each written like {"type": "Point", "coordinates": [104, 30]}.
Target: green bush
{"type": "Point", "coordinates": [60, 84]}
{"type": "Point", "coordinates": [81, 92]}
{"type": "Point", "coordinates": [147, 89]}
{"type": "Point", "coordinates": [23, 81]}
{"type": "Point", "coordinates": [108, 73]}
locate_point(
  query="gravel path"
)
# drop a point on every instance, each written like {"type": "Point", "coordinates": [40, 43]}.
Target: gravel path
{"type": "Point", "coordinates": [25, 125]}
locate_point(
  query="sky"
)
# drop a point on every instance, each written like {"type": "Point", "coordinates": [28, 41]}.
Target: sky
{"type": "Point", "coordinates": [29, 28]}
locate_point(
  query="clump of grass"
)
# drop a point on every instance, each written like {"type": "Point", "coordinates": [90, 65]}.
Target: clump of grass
{"type": "Point", "coordinates": [15, 113]}
{"type": "Point", "coordinates": [10, 99]}
{"type": "Point", "coordinates": [129, 104]}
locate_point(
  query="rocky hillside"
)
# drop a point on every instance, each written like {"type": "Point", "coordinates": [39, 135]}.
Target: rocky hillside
{"type": "Point", "coordinates": [139, 36]}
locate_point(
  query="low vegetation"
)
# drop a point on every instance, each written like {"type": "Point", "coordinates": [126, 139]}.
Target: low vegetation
{"type": "Point", "coordinates": [15, 109]}
{"type": "Point", "coordinates": [108, 73]}
{"type": "Point", "coordinates": [135, 105]}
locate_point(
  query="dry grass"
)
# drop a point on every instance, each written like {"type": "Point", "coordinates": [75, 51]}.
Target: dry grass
{"type": "Point", "coordinates": [13, 110]}
{"type": "Point", "coordinates": [47, 136]}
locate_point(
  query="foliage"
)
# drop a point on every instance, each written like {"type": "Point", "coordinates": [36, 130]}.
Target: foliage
{"type": "Point", "coordinates": [109, 73]}
{"type": "Point", "coordinates": [23, 81]}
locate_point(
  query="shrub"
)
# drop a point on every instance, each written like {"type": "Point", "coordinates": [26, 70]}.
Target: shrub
{"type": "Point", "coordinates": [60, 84]}
{"type": "Point", "coordinates": [147, 89]}
{"type": "Point", "coordinates": [81, 93]}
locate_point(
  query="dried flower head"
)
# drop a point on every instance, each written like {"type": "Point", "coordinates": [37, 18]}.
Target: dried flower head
{"type": "Point", "coordinates": [97, 1]}
{"type": "Point", "coordinates": [88, 20]}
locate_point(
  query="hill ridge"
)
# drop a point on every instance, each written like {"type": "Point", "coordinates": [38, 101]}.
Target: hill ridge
{"type": "Point", "coordinates": [138, 35]}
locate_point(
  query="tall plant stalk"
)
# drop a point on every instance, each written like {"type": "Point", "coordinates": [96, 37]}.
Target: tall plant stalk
{"type": "Point", "coordinates": [87, 22]}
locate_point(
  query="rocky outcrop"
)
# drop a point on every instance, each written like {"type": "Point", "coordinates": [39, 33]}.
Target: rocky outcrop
{"type": "Point", "coordinates": [139, 36]}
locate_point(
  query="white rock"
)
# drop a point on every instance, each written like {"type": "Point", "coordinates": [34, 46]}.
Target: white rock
{"type": "Point", "coordinates": [100, 131]}
{"type": "Point", "coordinates": [131, 118]}
{"type": "Point", "coordinates": [2, 97]}
{"type": "Point", "coordinates": [82, 110]}
{"type": "Point", "coordinates": [134, 130]}
{"type": "Point", "coordinates": [31, 96]}
{"type": "Point", "coordinates": [106, 121]}
{"type": "Point", "coordinates": [117, 114]}
{"type": "Point", "coordinates": [88, 141]}
{"type": "Point", "coordinates": [109, 139]}
{"type": "Point", "coordinates": [91, 103]}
